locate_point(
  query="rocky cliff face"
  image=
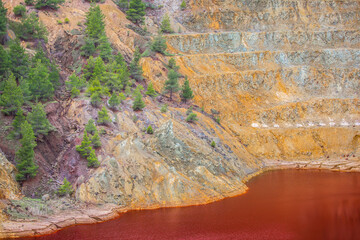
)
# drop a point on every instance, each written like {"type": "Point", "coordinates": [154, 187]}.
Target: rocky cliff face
{"type": "Point", "coordinates": [283, 74]}
{"type": "Point", "coordinates": [9, 188]}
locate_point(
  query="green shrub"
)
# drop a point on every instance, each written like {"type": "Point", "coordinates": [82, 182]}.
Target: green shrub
{"type": "Point", "coordinates": [75, 92]}
{"type": "Point", "coordinates": [54, 4]}
{"type": "Point", "coordinates": [59, 22]}
{"type": "Point", "coordinates": [84, 148]}
{"type": "Point", "coordinates": [20, 10]}
{"type": "Point", "coordinates": [164, 108]}
{"type": "Point", "coordinates": [65, 188]}
{"type": "Point", "coordinates": [103, 116]}
{"type": "Point", "coordinates": [165, 25]}
{"type": "Point", "coordinates": [90, 126]}
{"type": "Point", "coordinates": [192, 117]}
{"type": "Point", "coordinates": [149, 130]}
{"type": "Point", "coordinates": [66, 20]}
{"type": "Point", "coordinates": [93, 161]}
{"type": "Point", "coordinates": [29, 2]}
{"type": "Point", "coordinates": [217, 120]}
{"type": "Point", "coordinates": [183, 5]}
{"type": "Point", "coordinates": [213, 144]}
{"type": "Point", "coordinates": [159, 44]}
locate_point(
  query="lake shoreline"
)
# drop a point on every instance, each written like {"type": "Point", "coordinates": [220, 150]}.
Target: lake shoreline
{"type": "Point", "coordinates": [99, 214]}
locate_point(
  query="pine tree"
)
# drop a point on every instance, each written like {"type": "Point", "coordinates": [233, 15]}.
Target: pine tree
{"type": "Point", "coordinates": [25, 156]}
{"type": "Point", "coordinates": [54, 4]}
{"type": "Point", "coordinates": [54, 75]}
{"type": "Point", "coordinates": [16, 124]}
{"type": "Point", "coordinates": [192, 117]}
{"type": "Point", "coordinates": [24, 85]}
{"type": "Point", "coordinates": [19, 61]}
{"type": "Point", "coordinates": [88, 48]}
{"type": "Point", "coordinates": [99, 69]}
{"type": "Point", "coordinates": [172, 65]}
{"type": "Point", "coordinates": [123, 4]}
{"type": "Point", "coordinates": [103, 117]}
{"type": "Point", "coordinates": [3, 20]}
{"type": "Point", "coordinates": [40, 85]}
{"type": "Point", "coordinates": [93, 160]}
{"type": "Point", "coordinates": [172, 84]}
{"type": "Point", "coordinates": [95, 140]}
{"type": "Point", "coordinates": [159, 44]}
{"type": "Point", "coordinates": [138, 104]}
{"type": "Point", "coordinates": [95, 25]}
{"type": "Point", "coordinates": [104, 48]}
{"type": "Point", "coordinates": [75, 82]}
{"type": "Point", "coordinates": [90, 127]}
{"type": "Point", "coordinates": [38, 120]}
{"type": "Point", "coordinates": [136, 11]}
{"type": "Point", "coordinates": [12, 97]}
{"type": "Point", "coordinates": [65, 188]}
{"type": "Point", "coordinates": [135, 68]}
{"type": "Point", "coordinates": [186, 92]}
{"type": "Point", "coordinates": [84, 149]}
{"type": "Point", "coordinates": [4, 62]}
{"type": "Point", "coordinates": [183, 5]}
{"type": "Point", "coordinates": [114, 101]}
{"type": "Point", "coordinates": [165, 25]}
{"type": "Point", "coordinates": [150, 90]}
{"type": "Point", "coordinates": [95, 99]}
{"type": "Point", "coordinates": [149, 130]}
{"type": "Point", "coordinates": [32, 28]}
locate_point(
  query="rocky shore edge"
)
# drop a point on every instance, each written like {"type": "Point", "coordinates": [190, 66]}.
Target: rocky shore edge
{"type": "Point", "coordinates": [98, 214]}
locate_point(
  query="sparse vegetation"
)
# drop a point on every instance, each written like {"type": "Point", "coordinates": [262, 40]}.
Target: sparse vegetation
{"type": "Point", "coordinates": [213, 144]}
{"type": "Point", "coordinates": [172, 84]}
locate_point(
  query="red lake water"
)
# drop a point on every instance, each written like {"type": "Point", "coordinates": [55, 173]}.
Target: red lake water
{"type": "Point", "coordinates": [283, 204]}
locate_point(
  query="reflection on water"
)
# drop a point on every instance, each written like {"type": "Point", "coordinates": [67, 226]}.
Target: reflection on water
{"type": "Point", "coordinates": [284, 204]}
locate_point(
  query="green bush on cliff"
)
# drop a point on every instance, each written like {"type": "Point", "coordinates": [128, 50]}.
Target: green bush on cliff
{"type": "Point", "coordinates": [103, 116]}
{"type": "Point", "coordinates": [186, 92]}
{"type": "Point", "coordinates": [114, 101]}
{"type": "Point", "coordinates": [90, 127]}
{"type": "Point", "coordinates": [150, 90]}
{"type": "Point", "coordinates": [135, 68]}
{"type": "Point", "coordinates": [165, 26]}
{"type": "Point", "coordinates": [183, 5]}
{"type": "Point", "coordinates": [95, 140]}
{"type": "Point", "coordinates": [65, 188]}
{"type": "Point", "coordinates": [159, 44]}
{"type": "Point", "coordinates": [54, 4]}
{"type": "Point", "coordinates": [75, 82]}
{"type": "Point", "coordinates": [3, 20]}
{"type": "Point", "coordinates": [93, 161]}
{"type": "Point", "coordinates": [12, 97]}
{"type": "Point", "coordinates": [16, 124]}
{"type": "Point", "coordinates": [25, 156]}
{"type": "Point", "coordinates": [20, 10]}
{"type": "Point", "coordinates": [136, 11]}
{"type": "Point", "coordinates": [84, 148]}
{"type": "Point", "coordinates": [38, 120]}
{"type": "Point", "coordinates": [213, 144]}
{"type": "Point", "coordinates": [149, 130]}
{"type": "Point", "coordinates": [172, 84]}
{"type": "Point", "coordinates": [138, 104]}
{"type": "Point", "coordinates": [192, 117]}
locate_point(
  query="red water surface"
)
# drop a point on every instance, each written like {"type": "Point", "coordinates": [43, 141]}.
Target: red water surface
{"type": "Point", "coordinates": [284, 204]}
